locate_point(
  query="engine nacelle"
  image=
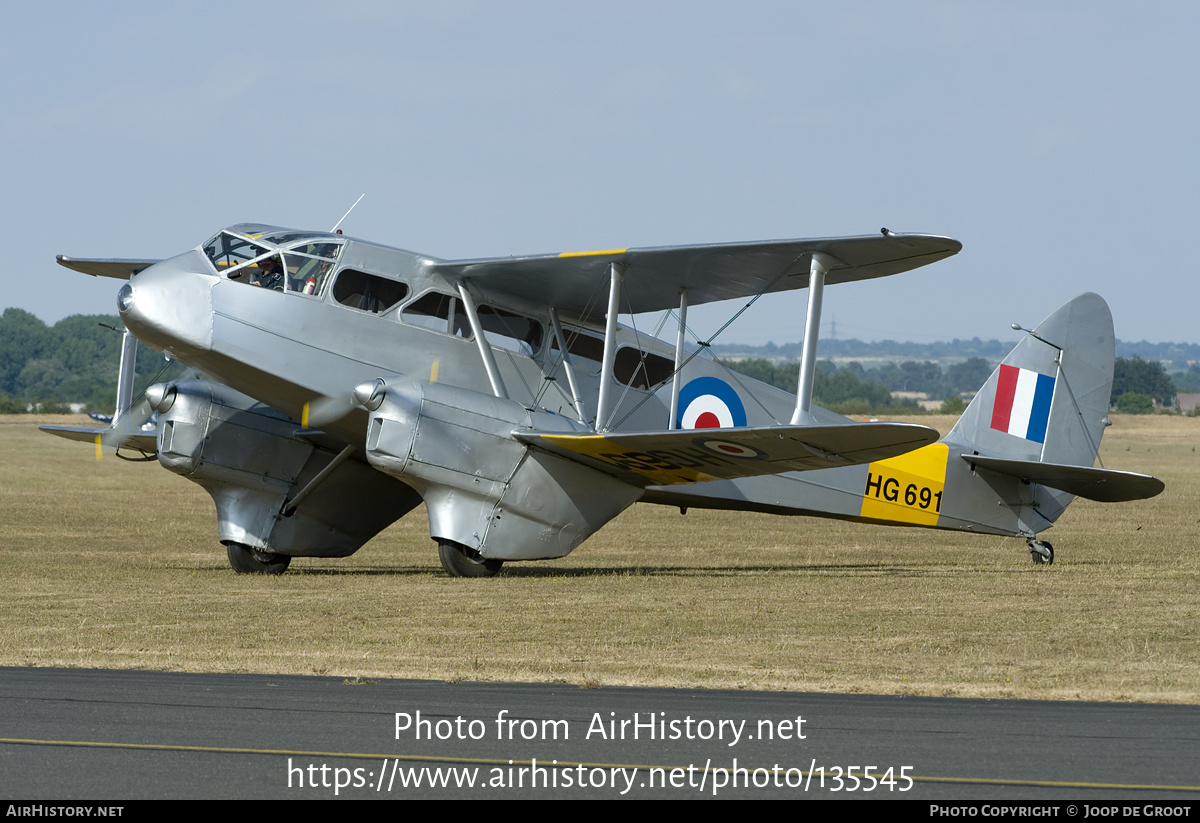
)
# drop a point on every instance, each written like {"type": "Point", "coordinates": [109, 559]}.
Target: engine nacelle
{"type": "Point", "coordinates": [484, 489]}
{"type": "Point", "coordinates": [252, 459]}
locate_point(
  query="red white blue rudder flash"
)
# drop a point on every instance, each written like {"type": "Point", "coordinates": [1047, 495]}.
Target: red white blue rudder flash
{"type": "Point", "coordinates": [1022, 405]}
{"type": "Point", "coordinates": [710, 403]}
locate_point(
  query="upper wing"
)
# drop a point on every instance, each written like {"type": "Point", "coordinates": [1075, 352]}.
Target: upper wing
{"type": "Point", "coordinates": [1103, 485]}
{"type": "Point", "coordinates": [119, 269]}
{"type": "Point", "coordinates": [699, 455]}
{"type": "Point", "coordinates": [654, 276]}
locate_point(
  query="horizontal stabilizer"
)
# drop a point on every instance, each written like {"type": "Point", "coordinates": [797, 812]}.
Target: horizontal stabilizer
{"type": "Point", "coordinates": [117, 269]}
{"type": "Point", "coordinates": [144, 441]}
{"type": "Point", "coordinates": [700, 455]}
{"type": "Point", "coordinates": [1102, 485]}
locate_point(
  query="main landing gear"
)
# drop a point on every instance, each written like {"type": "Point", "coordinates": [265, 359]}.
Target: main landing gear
{"type": "Point", "coordinates": [459, 561]}
{"type": "Point", "coordinates": [249, 560]}
{"type": "Point", "coordinates": [1041, 552]}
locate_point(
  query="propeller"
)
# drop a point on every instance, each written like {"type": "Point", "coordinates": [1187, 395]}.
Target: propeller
{"type": "Point", "coordinates": [324, 410]}
{"type": "Point", "coordinates": [156, 398]}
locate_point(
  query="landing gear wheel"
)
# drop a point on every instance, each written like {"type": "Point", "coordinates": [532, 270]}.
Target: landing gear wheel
{"type": "Point", "coordinates": [1041, 552]}
{"type": "Point", "coordinates": [249, 560]}
{"type": "Point", "coordinates": [459, 561]}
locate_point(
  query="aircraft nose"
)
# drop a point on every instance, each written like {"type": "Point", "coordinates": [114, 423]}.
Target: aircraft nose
{"type": "Point", "coordinates": [169, 305]}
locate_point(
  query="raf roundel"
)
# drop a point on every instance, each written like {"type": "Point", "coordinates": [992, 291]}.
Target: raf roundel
{"type": "Point", "coordinates": [728, 449]}
{"type": "Point", "coordinates": [710, 403]}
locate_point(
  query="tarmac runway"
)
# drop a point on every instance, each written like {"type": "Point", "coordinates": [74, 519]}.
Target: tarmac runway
{"type": "Point", "coordinates": [69, 734]}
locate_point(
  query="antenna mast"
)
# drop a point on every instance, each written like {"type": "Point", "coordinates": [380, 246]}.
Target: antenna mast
{"type": "Point", "coordinates": [347, 214]}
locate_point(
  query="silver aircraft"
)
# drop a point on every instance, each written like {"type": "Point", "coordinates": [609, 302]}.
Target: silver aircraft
{"type": "Point", "coordinates": [349, 382]}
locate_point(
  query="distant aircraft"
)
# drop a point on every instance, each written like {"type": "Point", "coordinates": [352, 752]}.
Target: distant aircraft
{"type": "Point", "coordinates": [350, 382]}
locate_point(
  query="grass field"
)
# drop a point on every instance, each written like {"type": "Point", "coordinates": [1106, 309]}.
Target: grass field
{"type": "Point", "coordinates": [108, 564]}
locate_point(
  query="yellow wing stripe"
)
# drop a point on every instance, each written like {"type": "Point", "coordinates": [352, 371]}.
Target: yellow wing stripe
{"type": "Point", "coordinates": [594, 253]}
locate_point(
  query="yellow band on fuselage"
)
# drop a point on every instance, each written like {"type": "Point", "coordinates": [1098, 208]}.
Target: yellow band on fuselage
{"type": "Point", "coordinates": [908, 488]}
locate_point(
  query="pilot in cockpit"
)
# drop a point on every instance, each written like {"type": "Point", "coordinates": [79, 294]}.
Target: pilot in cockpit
{"type": "Point", "coordinates": [270, 274]}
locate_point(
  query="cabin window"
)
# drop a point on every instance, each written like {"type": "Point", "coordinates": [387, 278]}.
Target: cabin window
{"type": "Point", "coordinates": [641, 369]}
{"type": "Point", "coordinates": [513, 332]}
{"type": "Point", "coordinates": [439, 312]}
{"type": "Point", "coordinates": [366, 292]}
{"type": "Point", "coordinates": [631, 367]}
{"type": "Point", "coordinates": [582, 347]}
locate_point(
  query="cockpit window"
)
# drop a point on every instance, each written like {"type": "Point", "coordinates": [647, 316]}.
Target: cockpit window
{"type": "Point", "coordinates": [309, 266]}
{"type": "Point", "coordinates": [302, 266]}
{"type": "Point", "coordinates": [227, 251]}
{"type": "Point", "coordinates": [268, 274]}
{"type": "Point", "coordinates": [282, 238]}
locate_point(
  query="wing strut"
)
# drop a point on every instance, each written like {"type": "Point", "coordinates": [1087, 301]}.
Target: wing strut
{"type": "Point", "coordinates": [678, 359]}
{"type": "Point", "coordinates": [485, 348]}
{"type": "Point", "coordinates": [289, 507]}
{"type": "Point", "coordinates": [568, 366]}
{"type": "Point", "coordinates": [126, 373]}
{"type": "Point", "coordinates": [821, 263]}
{"type": "Point", "coordinates": [617, 276]}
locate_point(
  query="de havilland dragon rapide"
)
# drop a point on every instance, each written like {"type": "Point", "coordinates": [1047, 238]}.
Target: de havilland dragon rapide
{"type": "Point", "coordinates": [347, 382]}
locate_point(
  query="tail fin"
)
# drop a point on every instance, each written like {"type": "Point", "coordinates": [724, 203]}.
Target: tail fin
{"type": "Point", "coordinates": [1041, 414]}
{"type": "Point", "coordinates": [1048, 400]}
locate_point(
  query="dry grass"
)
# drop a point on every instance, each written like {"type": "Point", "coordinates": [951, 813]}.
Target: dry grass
{"type": "Point", "coordinates": [115, 565]}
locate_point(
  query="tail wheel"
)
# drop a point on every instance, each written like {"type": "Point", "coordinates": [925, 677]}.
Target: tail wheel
{"type": "Point", "coordinates": [249, 560]}
{"type": "Point", "coordinates": [459, 561]}
{"type": "Point", "coordinates": [1041, 552]}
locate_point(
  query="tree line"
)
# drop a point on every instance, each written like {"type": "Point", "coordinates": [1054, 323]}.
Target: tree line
{"type": "Point", "coordinates": [74, 361]}
{"type": "Point", "coordinates": [1138, 385]}
{"type": "Point", "coordinates": [1178, 355]}
{"type": "Point", "coordinates": [853, 389]}
{"type": "Point", "coordinates": [77, 359]}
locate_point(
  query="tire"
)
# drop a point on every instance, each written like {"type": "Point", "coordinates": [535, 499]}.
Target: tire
{"type": "Point", "coordinates": [249, 560]}
{"type": "Point", "coordinates": [1045, 556]}
{"type": "Point", "coordinates": [459, 561]}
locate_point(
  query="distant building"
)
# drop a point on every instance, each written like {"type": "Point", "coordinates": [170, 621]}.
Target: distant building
{"type": "Point", "coordinates": [921, 398]}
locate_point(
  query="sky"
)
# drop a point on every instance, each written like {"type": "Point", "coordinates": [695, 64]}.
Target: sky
{"type": "Point", "coordinates": [1057, 141]}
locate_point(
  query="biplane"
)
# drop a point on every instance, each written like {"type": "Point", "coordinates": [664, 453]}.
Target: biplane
{"type": "Point", "coordinates": [347, 382]}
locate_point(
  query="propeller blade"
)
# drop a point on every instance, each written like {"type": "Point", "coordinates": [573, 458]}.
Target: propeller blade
{"type": "Point", "coordinates": [366, 395]}
{"type": "Point", "coordinates": [129, 423]}
{"type": "Point", "coordinates": [324, 410]}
